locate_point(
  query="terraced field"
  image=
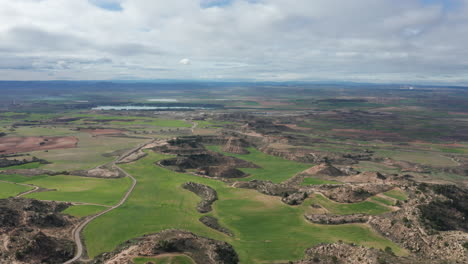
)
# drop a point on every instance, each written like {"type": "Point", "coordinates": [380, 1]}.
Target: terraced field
{"type": "Point", "coordinates": [266, 230]}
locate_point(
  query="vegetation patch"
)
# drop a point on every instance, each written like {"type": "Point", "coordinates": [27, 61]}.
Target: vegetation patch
{"type": "Point", "coordinates": [316, 181]}
{"type": "Point", "coordinates": [265, 229]}
{"type": "Point", "coordinates": [383, 200]}
{"type": "Point", "coordinates": [272, 168]}
{"type": "Point", "coordinates": [11, 189]}
{"type": "Point", "coordinates": [397, 194]}
{"type": "Point", "coordinates": [172, 259]}
{"type": "Point", "coordinates": [365, 207]}
{"type": "Point", "coordinates": [83, 210]}
{"type": "Point", "coordinates": [67, 188]}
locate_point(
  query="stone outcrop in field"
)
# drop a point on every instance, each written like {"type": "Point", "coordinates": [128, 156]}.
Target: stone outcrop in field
{"type": "Point", "coordinates": [206, 159]}
{"type": "Point", "coordinates": [330, 219]}
{"type": "Point", "coordinates": [34, 232]}
{"type": "Point", "coordinates": [206, 193]}
{"type": "Point", "coordinates": [365, 177]}
{"type": "Point", "coordinates": [99, 172]}
{"type": "Point", "coordinates": [236, 146]}
{"type": "Point", "coordinates": [200, 249]}
{"type": "Point", "coordinates": [408, 227]}
{"type": "Point", "coordinates": [354, 254]}
{"type": "Point", "coordinates": [294, 198]}
{"type": "Point", "coordinates": [348, 193]}
{"type": "Point", "coordinates": [212, 222]}
{"type": "Point", "coordinates": [325, 169]}
{"type": "Point", "coordinates": [221, 172]}
{"type": "Point", "coordinates": [33, 172]}
{"type": "Point", "coordinates": [266, 187]}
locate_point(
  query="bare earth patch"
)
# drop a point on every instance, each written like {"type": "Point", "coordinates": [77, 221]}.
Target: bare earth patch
{"type": "Point", "coordinates": [26, 144]}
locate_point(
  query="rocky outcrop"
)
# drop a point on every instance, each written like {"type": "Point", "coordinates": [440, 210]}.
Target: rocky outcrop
{"type": "Point", "coordinates": [348, 193]}
{"type": "Point", "coordinates": [206, 193]}
{"type": "Point", "coordinates": [35, 232]}
{"type": "Point", "coordinates": [407, 228]}
{"type": "Point", "coordinates": [328, 219]}
{"type": "Point", "coordinates": [324, 169]}
{"type": "Point", "coordinates": [99, 173]}
{"type": "Point", "coordinates": [42, 248]}
{"type": "Point", "coordinates": [200, 249]}
{"type": "Point", "coordinates": [222, 172]}
{"type": "Point", "coordinates": [294, 198]}
{"type": "Point", "coordinates": [33, 172]}
{"type": "Point", "coordinates": [213, 223]}
{"type": "Point", "coordinates": [365, 177]}
{"type": "Point", "coordinates": [236, 146]}
{"type": "Point", "coordinates": [204, 160]}
{"type": "Point", "coordinates": [354, 254]}
{"type": "Point", "coordinates": [267, 187]}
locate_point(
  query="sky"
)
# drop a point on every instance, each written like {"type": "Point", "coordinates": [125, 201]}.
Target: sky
{"type": "Point", "coordinates": [398, 41]}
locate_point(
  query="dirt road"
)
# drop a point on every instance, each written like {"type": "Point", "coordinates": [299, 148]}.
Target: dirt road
{"type": "Point", "coordinates": [77, 231]}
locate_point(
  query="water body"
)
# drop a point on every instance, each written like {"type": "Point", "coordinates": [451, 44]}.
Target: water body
{"type": "Point", "coordinates": [132, 107]}
{"type": "Point", "coordinates": [166, 100]}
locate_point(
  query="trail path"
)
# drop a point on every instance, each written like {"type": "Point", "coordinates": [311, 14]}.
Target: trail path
{"type": "Point", "coordinates": [77, 230]}
{"type": "Point", "coordinates": [35, 187]}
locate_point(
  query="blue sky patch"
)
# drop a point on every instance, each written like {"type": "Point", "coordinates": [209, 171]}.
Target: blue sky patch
{"type": "Point", "coordinates": [107, 4]}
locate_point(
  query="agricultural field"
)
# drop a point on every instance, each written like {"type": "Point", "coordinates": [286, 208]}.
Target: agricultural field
{"type": "Point", "coordinates": [260, 223]}
{"type": "Point", "coordinates": [271, 168]}
{"type": "Point", "coordinates": [67, 188]}
{"type": "Point", "coordinates": [342, 173]}
{"type": "Point", "coordinates": [10, 189]}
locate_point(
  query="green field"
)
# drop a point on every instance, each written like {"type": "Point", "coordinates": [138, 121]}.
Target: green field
{"type": "Point", "coordinates": [316, 181]}
{"type": "Point", "coordinates": [75, 189]}
{"type": "Point", "coordinates": [135, 120]}
{"type": "Point", "coordinates": [165, 260]}
{"type": "Point", "coordinates": [266, 230]}
{"type": "Point", "coordinates": [364, 207]}
{"type": "Point", "coordinates": [11, 189]}
{"type": "Point", "coordinates": [83, 210]}
{"type": "Point", "coordinates": [383, 200]}
{"type": "Point", "coordinates": [397, 194]}
{"type": "Point", "coordinates": [91, 152]}
{"type": "Point", "coordinates": [273, 168]}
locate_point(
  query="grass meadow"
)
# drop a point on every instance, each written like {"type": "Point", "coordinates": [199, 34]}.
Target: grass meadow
{"type": "Point", "coordinates": [272, 168]}
{"type": "Point", "coordinates": [266, 230]}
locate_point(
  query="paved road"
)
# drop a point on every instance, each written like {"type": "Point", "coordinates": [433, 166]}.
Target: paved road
{"type": "Point", "coordinates": [80, 227]}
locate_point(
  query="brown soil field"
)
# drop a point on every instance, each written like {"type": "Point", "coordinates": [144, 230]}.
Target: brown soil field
{"type": "Point", "coordinates": [25, 144]}
{"type": "Point", "coordinates": [103, 132]}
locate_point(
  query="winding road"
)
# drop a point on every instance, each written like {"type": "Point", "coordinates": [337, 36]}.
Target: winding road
{"type": "Point", "coordinates": [35, 188]}
{"type": "Point", "coordinates": [77, 230]}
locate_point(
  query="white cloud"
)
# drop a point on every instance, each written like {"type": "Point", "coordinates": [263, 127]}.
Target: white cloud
{"type": "Point", "coordinates": [365, 40]}
{"type": "Point", "coordinates": [185, 61]}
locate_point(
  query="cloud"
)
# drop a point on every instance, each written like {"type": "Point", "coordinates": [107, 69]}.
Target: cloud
{"type": "Point", "coordinates": [185, 61]}
{"type": "Point", "coordinates": [365, 40]}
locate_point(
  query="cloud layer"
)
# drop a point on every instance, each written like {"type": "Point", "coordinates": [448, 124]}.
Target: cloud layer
{"type": "Point", "coordinates": [361, 40]}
